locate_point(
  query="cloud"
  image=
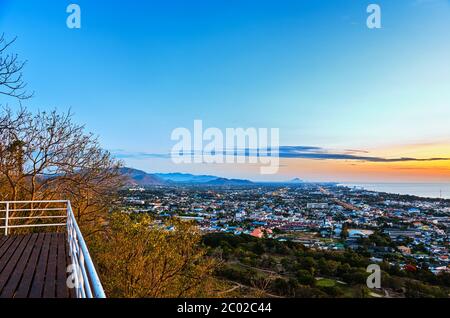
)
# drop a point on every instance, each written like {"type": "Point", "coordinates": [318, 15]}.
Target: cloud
{"type": "Point", "coordinates": [291, 152]}
{"type": "Point", "coordinates": [324, 154]}
{"type": "Point", "coordinates": [123, 154]}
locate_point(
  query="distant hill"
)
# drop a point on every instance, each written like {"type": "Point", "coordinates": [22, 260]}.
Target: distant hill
{"type": "Point", "coordinates": [296, 180]}
{"type": "Point", "coordinates": [142, 178]}
{"type": "Point", "coordinates": [185, 177]}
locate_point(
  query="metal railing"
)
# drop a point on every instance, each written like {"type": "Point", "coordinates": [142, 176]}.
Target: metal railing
{"type": "Point", "coordinates": [34, 214]}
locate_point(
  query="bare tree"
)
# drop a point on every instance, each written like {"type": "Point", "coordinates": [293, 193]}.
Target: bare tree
{"type": "Point", "coordinates": [11, 78]}
{"type": "Point", "coordinates": [46, 156]}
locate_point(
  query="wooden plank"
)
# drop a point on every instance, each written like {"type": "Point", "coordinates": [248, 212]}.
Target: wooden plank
{"type": "Point", "coordinates": [9, 240]}
{"type": "Point", "coordinates": [61, 269]}
{"type": "Point", "coordinates": [37, 285]}
{"type": "Point", "coordinates": [12, 262]}
{"type": "Point", "coordinates": [27, 278]}
{"type": "Point", "coordinates": [10, 251]}
{"type": "Point", "coordinates": [34, 266]}
{"type": "Point", "coordinates": [18, 269]}
{"type": "Point", "coordinates": [3, 239]}
{"type": "Point", "coordinates": [50, 275]}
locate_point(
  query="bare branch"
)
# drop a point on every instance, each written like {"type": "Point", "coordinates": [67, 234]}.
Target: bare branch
{"type": "Point", "coordinates": [11, 78]}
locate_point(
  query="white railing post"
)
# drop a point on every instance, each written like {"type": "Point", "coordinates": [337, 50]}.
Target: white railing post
{"type": "Point", "coordinates": [6, 218]}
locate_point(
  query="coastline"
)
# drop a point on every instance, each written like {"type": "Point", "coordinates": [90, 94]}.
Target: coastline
{"type": "Point", "coordinates": [423, 190]}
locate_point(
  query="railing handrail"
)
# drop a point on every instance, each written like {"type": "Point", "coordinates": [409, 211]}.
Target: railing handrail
{"type": "Point", "coordinates": [92, 279]}
{"type": "Point", "coordinates": [10, 207]}
{"type": "Point", "coordinates": [87, 281]}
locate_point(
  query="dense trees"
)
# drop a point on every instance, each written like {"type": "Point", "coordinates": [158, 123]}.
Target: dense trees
{"type": "Point", "coordinates": [138, 258]}
{"type": "Point", "coordinates": [306, 272]}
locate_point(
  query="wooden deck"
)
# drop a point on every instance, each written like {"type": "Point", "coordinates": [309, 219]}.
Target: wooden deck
{"type": "Point", "coordinates": [34, 266]}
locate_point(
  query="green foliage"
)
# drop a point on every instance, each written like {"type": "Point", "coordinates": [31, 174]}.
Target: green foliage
{"type": "Point", "coordinates": [305, 278]}
{"type": "Point", "coordinates": [416, 289]}
{"type": "Point", "coordinates": [137, 257]}
{"type": "Point", "coordinates": [297, 268]}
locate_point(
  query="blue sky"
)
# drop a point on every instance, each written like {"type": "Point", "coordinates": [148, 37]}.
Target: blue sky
{"type": "Point", "coordinates": [138, 69]}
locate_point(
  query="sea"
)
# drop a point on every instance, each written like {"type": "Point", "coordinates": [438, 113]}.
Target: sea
{"type": "Point", "coordinates": [425, 190]}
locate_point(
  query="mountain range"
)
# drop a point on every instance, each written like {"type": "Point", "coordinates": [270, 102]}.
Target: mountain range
{"type": "Point", "coordinates": [142, 178]}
